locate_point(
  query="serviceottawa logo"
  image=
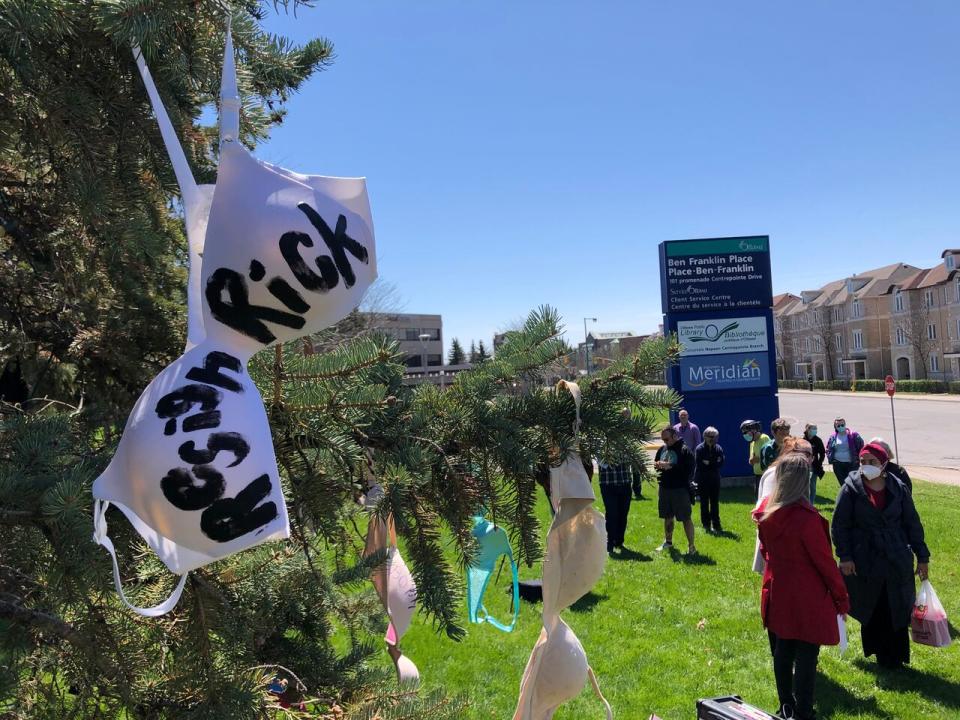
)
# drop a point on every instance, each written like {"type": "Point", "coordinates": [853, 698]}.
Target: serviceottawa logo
{"type": "Point", "coordinates": [732, 374]}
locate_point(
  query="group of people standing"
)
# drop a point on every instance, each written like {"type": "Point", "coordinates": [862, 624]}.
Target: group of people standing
{"type": "Point", "coordinates": [807, 591]}
{"type": "Point", "coordinates": [877, 534]}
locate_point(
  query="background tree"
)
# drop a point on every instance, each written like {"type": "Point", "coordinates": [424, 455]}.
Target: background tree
{"type": "Point", "coordinates": [482, 353]}
{"type": "Point", "coordinates": [823, 332]}
{"type": "Point", "coordinates": [456, 356]}
{"type": "Point", "coordinates": [472, 357]}
{"type": "Point", "coordinates": [916, 327]}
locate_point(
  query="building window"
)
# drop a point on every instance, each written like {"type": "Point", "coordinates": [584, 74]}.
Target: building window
{"type": "Point", "coordinates": [413, 361]}
{"type": "Point", "coordinates": [434, 333]}
{"type": "Point", "coordinates": [806, 344]}
{"type": "Point", "coordinates": [839, 366]}
{"type": "Point", "coordinates": [411, 334]}
{"type": "Point", "coordinates": [798, 371]}
{"type": "Point", "coordinates": [958, 290]}
{"type": "Point", "coordinates": [838, 342]}
{"type": "Point", "coordinates": [817, 345]}
{"type": "Point", "coordinates": [958, 328]}
{"type": "Point", "coordinates": [838, 314]}
{"type": "Point", "coordinates": [934, 363]}
{"type": "Point", "coordinates": [434, 360]}
{"type": "Point", "coordinates": [928, 298]}
{"type": "Point", "coordinates": [898, 302]}
{"type": "Point", "coordinates": [902, 336]}
{"type": "Point", "coordinates": [951, 262]}
{"type": "Point", "coordinates": [857, 309]}
{"type": "Point", "coordinates": [931, 332]}
{"type": "Point", "coordinates": [796, 342]}
{"type": "Point", "coordinates": [858, 340]}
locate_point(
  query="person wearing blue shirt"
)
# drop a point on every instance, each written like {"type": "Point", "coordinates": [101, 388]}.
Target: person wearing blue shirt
{"type": "Point", "coordinates": [843, 450]}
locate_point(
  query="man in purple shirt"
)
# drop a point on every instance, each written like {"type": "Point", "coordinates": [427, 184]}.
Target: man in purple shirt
{"type": "Point", "coordinates": [688, 432]}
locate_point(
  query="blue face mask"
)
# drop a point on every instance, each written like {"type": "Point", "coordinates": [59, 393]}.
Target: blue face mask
{"type": "Point", "coordinates": [748, 437]}
{"type": "Point", "coordinates": [841, 428]}
{"type": "Point", "coordinates": [812, 432]}
{"type": "Point", "coordinates": [492, 544]}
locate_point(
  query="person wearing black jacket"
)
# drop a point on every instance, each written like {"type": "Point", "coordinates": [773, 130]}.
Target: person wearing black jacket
{"type": "Point", "coordinates": [819, 455]}
{"type": "Point", "coordinates": [877, 533]}
{"type": "Point", "coordinates": [709, 460]}
{"type": "Point", "coordinates": [675, 464]}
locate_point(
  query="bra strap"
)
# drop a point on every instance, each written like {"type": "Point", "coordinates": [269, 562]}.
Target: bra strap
{"type": "Point", "coordinates": [229, 95]}
{"type": "Point", "coordinates": [188, 186]}
{"type": "Point", "coordinates": [100, 537]}
{"type": "Point", "coordinates": [596, 689]}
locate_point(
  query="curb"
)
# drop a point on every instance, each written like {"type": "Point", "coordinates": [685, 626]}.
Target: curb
{"type": "Point", "coordinates": [931, 397]}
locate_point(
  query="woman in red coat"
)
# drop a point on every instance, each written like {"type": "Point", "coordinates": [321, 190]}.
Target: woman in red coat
{"type": "Point", "coordinates": [803, 591]}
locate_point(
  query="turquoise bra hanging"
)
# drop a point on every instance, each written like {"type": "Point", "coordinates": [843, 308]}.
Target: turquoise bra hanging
{"type": "Point", "coordinates": [492, 544]}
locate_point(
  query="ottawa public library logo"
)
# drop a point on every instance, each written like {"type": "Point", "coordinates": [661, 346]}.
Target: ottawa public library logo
{"type": "Point", "coordinates": [724, 374]}
{"type": "Point", "coordinates": [748, 246]}
{"type": "Point", "coordinates": [712, 334]}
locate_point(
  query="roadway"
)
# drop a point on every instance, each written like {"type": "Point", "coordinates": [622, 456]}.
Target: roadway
{"type": "Point", "coordinates": [926, 425]}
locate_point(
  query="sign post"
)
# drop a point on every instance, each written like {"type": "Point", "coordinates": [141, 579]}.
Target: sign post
{"type": "Point", "coordinates": [891, 386]}
{"type": "Point", "coordinates": [717, 297]}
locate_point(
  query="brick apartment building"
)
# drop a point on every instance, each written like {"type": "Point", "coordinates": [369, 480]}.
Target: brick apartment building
{"type": "Point", "coordinates": [897, 319]}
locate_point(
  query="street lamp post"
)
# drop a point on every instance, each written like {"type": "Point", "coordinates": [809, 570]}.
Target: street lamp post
{"type": "Point", "coordinates": [424, 338]}
{"type": "Point", "coordinates": [586, 343]}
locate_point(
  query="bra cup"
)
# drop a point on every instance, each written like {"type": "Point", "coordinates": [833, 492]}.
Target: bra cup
{"type": "Point", "coordinates": [576, 554]}
{"type": "Point", "coordinates": [555, 673]}
{"type": "Point", "coordinates": [567, 662]}
{"type": "Point", "coordinates": [196, 407]}
{"type": "Point", "coordinates": [570, 480]}
{"type": "Point", "coordinates": [282, 257]}
{"type": "Point", "coordinates": [401, 596]}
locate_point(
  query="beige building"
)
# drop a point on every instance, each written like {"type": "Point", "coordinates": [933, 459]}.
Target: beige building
{"type": "Point", "coordinates": [897, 319]}
{"type": "Point", "coordinates": [925, 322]}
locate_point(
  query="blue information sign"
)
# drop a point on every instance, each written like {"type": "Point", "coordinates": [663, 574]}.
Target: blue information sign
{"type": "Point", "coordinates": [717, 298]}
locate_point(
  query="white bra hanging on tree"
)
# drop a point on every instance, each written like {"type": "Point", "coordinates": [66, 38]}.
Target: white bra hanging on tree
{"type": "Point", "coordinates": [274, 256]}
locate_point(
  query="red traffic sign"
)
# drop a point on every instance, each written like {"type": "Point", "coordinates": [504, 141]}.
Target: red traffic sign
{"type": "Point", "coordinates": [891, 385]}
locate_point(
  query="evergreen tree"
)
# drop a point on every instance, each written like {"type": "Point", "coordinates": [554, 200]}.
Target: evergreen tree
{"type": "Point", "coordinates": [91, 307]}
{"type": "Point", "coordinates": [482, 353]}
{"type": "Point", "coordinates": [473, 358]}
{"type": "Point", "coordinates": [456, 356]}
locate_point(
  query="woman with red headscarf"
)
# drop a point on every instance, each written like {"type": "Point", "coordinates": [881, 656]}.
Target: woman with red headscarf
{"type": "Point", "coordinates": [877, 533]}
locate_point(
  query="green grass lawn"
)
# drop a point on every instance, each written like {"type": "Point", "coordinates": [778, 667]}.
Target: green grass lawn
{"type": "Point", "coordinates": [661, 632]}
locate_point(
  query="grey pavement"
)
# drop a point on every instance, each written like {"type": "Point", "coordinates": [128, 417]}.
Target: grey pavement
{"type": "Point", "coordinates": [926, 425]}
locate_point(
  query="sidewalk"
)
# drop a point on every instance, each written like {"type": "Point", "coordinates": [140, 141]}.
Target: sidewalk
{"type": "Point", "coordinates": [935, 397]}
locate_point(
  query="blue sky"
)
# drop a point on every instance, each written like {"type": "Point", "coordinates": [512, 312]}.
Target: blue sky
{"type": "Point", "coordinates": [520, 153]}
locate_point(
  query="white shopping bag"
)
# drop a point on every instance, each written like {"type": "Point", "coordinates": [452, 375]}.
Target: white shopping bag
{"type": "Point", "coordinates": [842, 627]}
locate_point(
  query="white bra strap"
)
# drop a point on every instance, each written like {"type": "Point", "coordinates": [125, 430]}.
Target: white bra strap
{"type": "Point", "coordinates": [188, 186]}
{"type": "Point", "coordinates": [229, 95]}
{"type": "Point", "coordinates": [596, 689]}
{"type": "Point", "coordinates": [100, 537]}
{"type": "Point", "coordinates": [577, 397]}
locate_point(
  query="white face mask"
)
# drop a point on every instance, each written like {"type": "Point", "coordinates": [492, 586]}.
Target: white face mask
{"type": "Point", "coordinates": [870, 472]}
{"type": "Point", "coordinates": [283, 256]}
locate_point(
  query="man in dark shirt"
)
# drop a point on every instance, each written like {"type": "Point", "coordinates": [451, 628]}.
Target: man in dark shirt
{"type": "Point", "coordinates": [709, 459]}
{"type": "Point", "coordinates": [675, 464]}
